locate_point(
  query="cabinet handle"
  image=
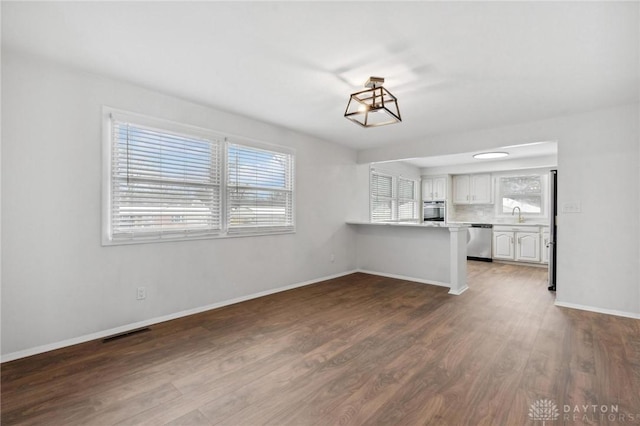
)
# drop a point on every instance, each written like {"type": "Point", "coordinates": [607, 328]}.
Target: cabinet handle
{"type": "Point", "coordinates": [511, 240]}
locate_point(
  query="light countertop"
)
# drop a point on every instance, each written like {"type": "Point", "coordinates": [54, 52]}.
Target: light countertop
{"type": "Point", "coordinates": [494, 223]}
{"type": "Point", "coordinates": [409, 224]}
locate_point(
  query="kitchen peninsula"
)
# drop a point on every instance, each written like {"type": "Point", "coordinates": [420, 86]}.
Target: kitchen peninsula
{"type": "Point", "coordinates": [414, 251]}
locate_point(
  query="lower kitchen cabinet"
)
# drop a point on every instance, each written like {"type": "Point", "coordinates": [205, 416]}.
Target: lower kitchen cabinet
{"type": "Point", "coordinates": [503, 245]}
{"type": "Point", "coordinates": [527, 246]}
{"type": "Point", "coordinates": [517, 245]}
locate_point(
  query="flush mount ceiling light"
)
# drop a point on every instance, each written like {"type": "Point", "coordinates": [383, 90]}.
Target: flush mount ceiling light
{"type": "Point", "coordinates": [373, 107]}
{"type": "Point", "coordinates": [490, 155]}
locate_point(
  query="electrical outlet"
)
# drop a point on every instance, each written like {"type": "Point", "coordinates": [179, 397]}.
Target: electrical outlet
{"type": "Point", "coordinates": [141, 293]}
{"type": "Point", "coordinates": [333, 258]}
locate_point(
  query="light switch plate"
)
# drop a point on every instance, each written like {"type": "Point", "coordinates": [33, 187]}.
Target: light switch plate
{"type": "Point", "coordinates": [571, 207]}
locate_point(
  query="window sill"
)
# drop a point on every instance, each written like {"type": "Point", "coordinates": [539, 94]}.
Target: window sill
{"type": "Point", "coordinates": [123, 242]}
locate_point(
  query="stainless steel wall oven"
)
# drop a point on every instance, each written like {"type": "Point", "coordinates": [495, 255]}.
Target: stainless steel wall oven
{"type": "Point", "coordinates": [433, 211]}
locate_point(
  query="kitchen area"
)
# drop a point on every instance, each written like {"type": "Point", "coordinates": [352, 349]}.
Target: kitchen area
{"type": "Point", "coordinates": [509, 205]}
{"type": "Point", "coordinates": [504, 200]}
{"type": "Point", "coordinates": [507, 213]}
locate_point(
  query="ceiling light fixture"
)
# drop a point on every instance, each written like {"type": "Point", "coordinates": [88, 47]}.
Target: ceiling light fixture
{"type": "Point", "coordinates": [490, 155]}
{"type": "Point", "coordinates": [373, 107]}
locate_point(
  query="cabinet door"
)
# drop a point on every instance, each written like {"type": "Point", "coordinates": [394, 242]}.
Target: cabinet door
{"type": "Point", "coordinates": [427, 189]}
{"type": "Point", "coordinates": [503, 245]}
{"type": "Point", "coordinates": [528, 246]}
{"type": "Point", "coordinates": [440, 188]}
{"type": "Point", "coordinates": [461, 189]}
{"type": "Point", "coordinates": [544, 249]}
{"type": "Point", "coordinates": [481, 189]}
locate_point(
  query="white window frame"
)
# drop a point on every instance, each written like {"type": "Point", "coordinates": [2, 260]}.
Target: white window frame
{"type": "Point", "coordinates": [395, 197]}
{"type": "Point", "coordinates": [260, 230]}
{"type": "Point", "coordinates": [108, 113]}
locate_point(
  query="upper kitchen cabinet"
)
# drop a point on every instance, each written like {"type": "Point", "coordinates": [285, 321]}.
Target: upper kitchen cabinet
{"type": "Point", "coordinates": [481, 189]}
{"type": "Point", "coordinates": [434, 188]}
{"type": "Point", "coordinates": [461, 189]}
{"type": "Point", "coordinates": [472, 189]}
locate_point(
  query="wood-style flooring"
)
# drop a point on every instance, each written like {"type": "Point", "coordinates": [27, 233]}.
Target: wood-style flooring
{"type": "Point", "coordinates": [360, 349]}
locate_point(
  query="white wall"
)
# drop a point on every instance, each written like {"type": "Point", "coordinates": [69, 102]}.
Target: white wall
{"type": "Point", "coordinates": [416, 253]}
{"type": "Point", "coordinates": [59, 283]}
{"type": "Point", "coordinates": [398, 168]}
{"type": "Point", "coordinates": [599, 166]}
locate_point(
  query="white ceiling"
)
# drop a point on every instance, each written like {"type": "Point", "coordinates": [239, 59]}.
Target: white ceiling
{"type": "Point", "coordinates": [516, 152]}
{"type": "Point", "coordinates": [455, 66]}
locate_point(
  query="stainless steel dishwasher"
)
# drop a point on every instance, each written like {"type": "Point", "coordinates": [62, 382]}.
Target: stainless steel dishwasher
{"type": "Point", "coordinates": [479, 237]}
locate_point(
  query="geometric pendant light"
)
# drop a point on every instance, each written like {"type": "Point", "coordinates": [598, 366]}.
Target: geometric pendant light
{"type": "Point", "coordinates": [373, 107]}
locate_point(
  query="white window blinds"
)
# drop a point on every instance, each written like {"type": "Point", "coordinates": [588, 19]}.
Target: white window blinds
{"type": "Point", "coordinates": [393, 198]}
{"type": "Point", "coordinates": [162, 183]}
{"type": "Point", "coordinates": [407, 202]}
{"type": "Point", "coordinates": [381, 197]}
{"type": "Point", "coordinates": [259, 190]}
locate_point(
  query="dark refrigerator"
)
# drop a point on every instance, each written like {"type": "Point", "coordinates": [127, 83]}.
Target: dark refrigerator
{"type": "Point", "coordinates": [553, 228]}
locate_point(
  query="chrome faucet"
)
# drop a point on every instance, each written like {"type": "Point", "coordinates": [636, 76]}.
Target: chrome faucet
{"type": "Point", "coordinates": [520, 218]}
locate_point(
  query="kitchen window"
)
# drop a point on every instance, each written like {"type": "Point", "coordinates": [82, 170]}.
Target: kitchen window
{"type": "Point", "coordinates": [166, 181]}
{"type": "Point", "coordinates": [392, 198]}
{"type": "Point", "coordinates": [525, 192]}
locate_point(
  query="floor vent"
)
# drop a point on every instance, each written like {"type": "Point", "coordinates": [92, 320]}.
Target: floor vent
{"type": "Point", "coordinates": [125, 334]}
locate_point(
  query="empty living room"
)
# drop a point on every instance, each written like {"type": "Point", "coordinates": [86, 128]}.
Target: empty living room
{"type": "Point", "coordinates": [297, 213]}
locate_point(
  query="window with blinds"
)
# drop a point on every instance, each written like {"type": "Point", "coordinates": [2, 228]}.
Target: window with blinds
{"type": "Point", "coordinates": [163, 184]}
{"type": "Point", "coordinates": [407, 199]}
{"type": "Point", "coordinates": [382, 202]}
{"type": "Point", "coordinates": [392, 198]}
{"type": "Point", "coordinates": [166, 181]}
{"type": "Point", "coordinates": [260, 196]}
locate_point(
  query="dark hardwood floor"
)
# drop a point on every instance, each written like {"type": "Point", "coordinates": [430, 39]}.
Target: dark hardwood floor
{"type": "Point", "coordinates": [359, 349]}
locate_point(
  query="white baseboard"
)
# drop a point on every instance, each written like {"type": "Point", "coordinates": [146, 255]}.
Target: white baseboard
{"type": "Point", "coordinates": [406, 278]}
{"type": "Point", "coordinates": [458, 292]}
{"type": "Point", "coordinates": [128, 327]}
{"type": "Point", "coordinates": [598, 310]}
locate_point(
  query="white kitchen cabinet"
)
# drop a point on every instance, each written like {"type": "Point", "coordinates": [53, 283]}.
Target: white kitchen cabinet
{"type": "Point", "coordinates": [517, 243]}
{"type": "Point", "coordinates": [481, 189]}
{"type": "Point", "coordinates": [461, 189]}
{"type": "Point", "coordinates": [544, 249]}
{"type": "Point", "coordinates": [527, 246]}
{"type": "Point", "coordinates": [503, 245]}
{"type": "Point", "coordinates": [440, 188]}
{"type": "Point", "coordinates": [472, 189]}
{"type": "Point", "coordinates": [434, 188]}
